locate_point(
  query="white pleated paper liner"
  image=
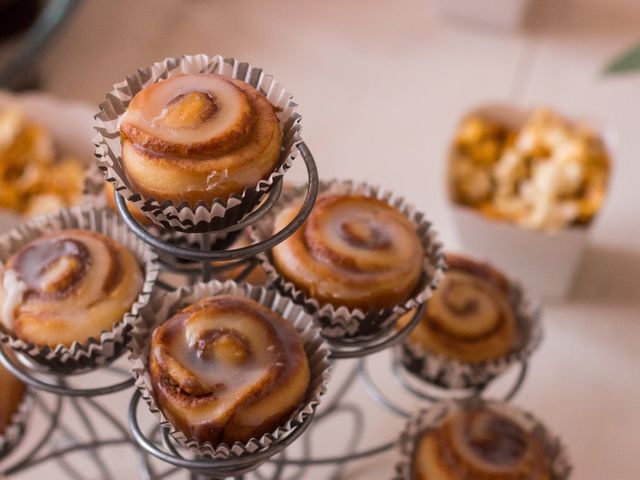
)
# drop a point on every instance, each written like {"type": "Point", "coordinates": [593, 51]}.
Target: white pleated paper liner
{"type": "Point", "coordinates": [431, 418]}
{"type": "Point", "coordinates": [450, 373]}
{"type": "Point", "coordinates": [14, 431]}
{"type": "Point", "coordinates": [93, 194]}
{"type": "Point", "coordinates": [340, 322]}
{"type": "Point", "coordinates": [200, 217]}
{"type": "Point", "coordinates": [95, 352]}
{"type": "Point", "coordinates": [164, 305]}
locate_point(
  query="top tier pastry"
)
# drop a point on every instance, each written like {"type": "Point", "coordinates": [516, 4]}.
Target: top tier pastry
{"type": "Point", "coordinates": [197, 138]}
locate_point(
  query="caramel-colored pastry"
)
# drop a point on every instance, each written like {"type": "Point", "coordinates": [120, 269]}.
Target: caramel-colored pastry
{"type": "Point", "coordinates": [13, 391]}
{"type": "Point", "coordinates": [481, 444]}
{"type": "Point", "coordinates": [469, 317]}
{"type": "Point", "coordinates": [547, 174]}
{"type": "Point", "coordinates": [199, 137]}
{"type": "Point", "coordinates": [133, 210]}
{"type": "Point", "coordinates": [67, 287]}
{"type": "Point", "coordinates": [34, 179]}
{"type": "Point", "coordinates": [227, 369]}
{"type": "Point", "coordinates": [352, 251]}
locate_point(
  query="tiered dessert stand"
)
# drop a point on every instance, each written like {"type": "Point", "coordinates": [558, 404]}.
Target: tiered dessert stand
{"type": "Point", "coordinates": [58, 397]}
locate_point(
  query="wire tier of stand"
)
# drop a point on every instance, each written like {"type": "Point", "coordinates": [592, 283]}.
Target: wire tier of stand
{"type": "Point", "coordinates": [159, 456]}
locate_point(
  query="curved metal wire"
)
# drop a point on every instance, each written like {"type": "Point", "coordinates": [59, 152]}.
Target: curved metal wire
{"type": "Point", "coordinates": [230, 467]}
{"type": "Point", "coordinates": [242, 252]}
{"type": "Point", "coordinates": [375, 345]}
{"type": "Point", "coordinates": [56, 387]}
{"type": "Point", "coordinates": [400, 375]}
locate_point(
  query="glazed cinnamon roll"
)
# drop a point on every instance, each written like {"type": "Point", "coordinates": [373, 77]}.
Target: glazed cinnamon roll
{"type": "Point", "coordinates": [13, 391]}
{"type": "Point", "coordinates": [352, 251]}
{"type": "Point", "coordinates": [67, 287]}
{"type": "Point", "coordinates": [228, 369]}
{"type": "Point", "coordinates": [481, 444]}
{"type": "Point", "coordinates": [199, 137]}
{"type": "Point", "coordinates": [470, 317]}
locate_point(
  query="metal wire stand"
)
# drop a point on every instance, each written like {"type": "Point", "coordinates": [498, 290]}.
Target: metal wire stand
{"type": "Point", "coordinates": [158, 455]}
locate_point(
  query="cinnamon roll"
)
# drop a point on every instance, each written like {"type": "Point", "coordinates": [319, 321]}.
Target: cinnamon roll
{"type": "Point", "coordinates": [227, 369]}
{"type": "Point", "coordinates": [67, 287]}
{"type": "Point", "coordinates": [469, 317]}
{"type": "Point", "coordinates": [353, 251]}
{"type": "Point", "coordinates": [199, 137]}
{"type": "Point", "coordinates": [481, 443]}
{"type": "Point", "coordinates": [13, 391]}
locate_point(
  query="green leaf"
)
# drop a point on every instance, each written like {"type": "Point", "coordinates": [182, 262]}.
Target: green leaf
{"type": "Point", "coordinates": [629, 61]}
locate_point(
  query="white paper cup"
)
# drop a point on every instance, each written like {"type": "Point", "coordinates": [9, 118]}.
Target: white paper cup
{"type": "Point", "coordinates": [544, 261]}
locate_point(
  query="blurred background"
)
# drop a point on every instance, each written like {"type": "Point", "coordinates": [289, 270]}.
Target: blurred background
{"type": "Point", "coordinates": [381, 85]}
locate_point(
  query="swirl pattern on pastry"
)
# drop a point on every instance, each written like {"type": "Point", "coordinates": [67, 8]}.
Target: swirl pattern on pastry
{"type": "Point", "coordinates": [13, 391]}
{"type": "Point", "coordinates": [199, 137]}
{"type": "Point", "coordinates": [469, 317]}
{"type": "Point", "coordinates": [352, 251]}
{"type": "Point", "coordinates": [67, 287]}
{"type": "Point", "coordinates": [228, 369]}
{"type": "Point", "coordinates": [481, 444]}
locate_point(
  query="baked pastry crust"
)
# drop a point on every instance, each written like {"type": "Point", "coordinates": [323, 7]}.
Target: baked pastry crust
{"type": "Point", "coordinates": [13, 391]}
{"type": "Point", "coordinates": [67, 287]}
{"type": "Point", "coordinates": [470, 316]}
{"type": "Point", "coordinates": [353, 251]}
{"type": "Point", "coordinates": [227, 369]}
{"type": "Point", "coordinates": [133, 210]}
{"type": "Point", "coordinates": [199, 137]}
{"type": "Point", "coordinates": [480, 444]}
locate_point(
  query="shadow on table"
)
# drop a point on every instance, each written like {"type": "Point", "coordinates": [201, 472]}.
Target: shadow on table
{"type": "Point", "coordinates": [608, 275]}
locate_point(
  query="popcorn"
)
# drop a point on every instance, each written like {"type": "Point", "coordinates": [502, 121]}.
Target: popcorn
{"type": "Point", "coordinates": [549, 174]}
{"type": "Point", "coordinates": [33, 180]}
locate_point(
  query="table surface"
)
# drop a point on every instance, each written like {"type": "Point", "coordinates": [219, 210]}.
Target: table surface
{"type": "Point", "coordinates": [381, 86]}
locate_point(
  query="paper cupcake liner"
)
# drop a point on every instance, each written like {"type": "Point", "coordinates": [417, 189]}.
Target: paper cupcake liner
{"type": "Point", "coordinates": [433, 417]}
{"type": "Point", "coordinates": [96, 352]}
{"type": "Point", "coordinates": [342, 323]}
{"type": "Point", "coordinates": [201, 217]}
{"type": "Point", "coordinates": [449, 373]}
{"type": "Point", "coordinates": [14, 432]}
{"type": "Point", "coordinates": [93, 195]}
{"type": "Point", "coordinates": [165, 305]}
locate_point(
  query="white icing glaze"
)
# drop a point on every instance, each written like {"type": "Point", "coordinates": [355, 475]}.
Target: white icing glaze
{"type": "Point", "coordinates": [13, 290]}
{"type": "Point", "coordinates": [238, 379]}
{"type": "Point", "coordinates": [230, 101]}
